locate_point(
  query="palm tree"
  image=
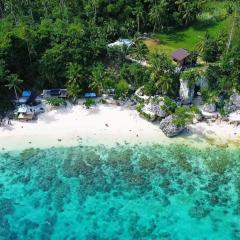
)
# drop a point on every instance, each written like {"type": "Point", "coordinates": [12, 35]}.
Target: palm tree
{"type": "Point", "coordinates": [154, 16]}
{"type": "Point", "coordinates": [200, 45]}
{"type": "Point", "coordinates": [181, 5]}
{"type": "Point", "coordinates": [75, 76]}
{"type": "Point", "coordinates": [13, 82]}
{"type": "Point", "coordinates": [189, 14]}
{"type": "Point", "coordinates": [91, 8]}
{"type": "Point", "coordinates": [162, 73]}
{"type": "Point", "coordinates": [189, 10]}
{"type": "Point", "coordinates": [138, 12]}
{"type": "Point", "coordinates": [165, 83]}
{"type": "Point", "coordinates": [157, 15]}
{"type": "Point", "coordinates": [98, 76]}
{"type": "Point", "coordinates": [139, 50]}
{"type": "Point", "coordinates": [236, 21]}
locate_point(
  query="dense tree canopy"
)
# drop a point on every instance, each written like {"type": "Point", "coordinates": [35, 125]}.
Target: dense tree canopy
{"type": "Point", "coordinates": [63, 43]}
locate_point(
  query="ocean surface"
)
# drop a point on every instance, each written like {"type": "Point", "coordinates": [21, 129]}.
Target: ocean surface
{"type": "Point", "coordinates": [123, 192]}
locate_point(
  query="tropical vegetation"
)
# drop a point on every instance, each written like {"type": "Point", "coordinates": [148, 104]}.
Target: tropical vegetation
{"type": "Point", "coordinates": [64, 44]}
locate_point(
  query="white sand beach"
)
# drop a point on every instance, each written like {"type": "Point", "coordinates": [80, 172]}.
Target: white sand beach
{"type": "Point", "coordinates": [102, 124]}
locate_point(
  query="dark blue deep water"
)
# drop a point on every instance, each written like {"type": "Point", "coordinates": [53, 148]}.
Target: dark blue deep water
{"type": "Point", "coordinates": [124, 192]}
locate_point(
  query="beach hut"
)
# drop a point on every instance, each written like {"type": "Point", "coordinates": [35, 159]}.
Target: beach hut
{"type": "Point", "coordinates": [61, 93]}
{"type": "Point", "coordinates": [26, 98]}
{"type": "Point", "coordinates": [180, 56]}
{"type": "Point", "coordinates": [26, 117]}
{"type": "Point", "coordinates": [25, 113]}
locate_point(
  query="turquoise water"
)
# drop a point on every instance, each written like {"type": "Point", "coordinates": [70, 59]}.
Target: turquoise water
{"type": "Point", "coordinates": [123, 192]}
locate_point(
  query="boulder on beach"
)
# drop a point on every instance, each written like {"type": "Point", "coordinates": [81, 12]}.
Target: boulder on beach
{"type": "Point", "coordinates": [209, 111]}
{"type": "Point", "coordinates": [108, 99]}
{"type": "Point", "coordinates": [147, 114]}
{"type": "Point", "coordinates": [155, 107]}
{"type": "Point", "coordinates": [235, 100]}
{"type": "Point", "coordinates": [234, 118]}
{"type": "Point", "coordinates": [209, 107]}
{"type": "Point", "coordinates": [169, 128]}
{"type": "Point", "coordinates": [233, 103]}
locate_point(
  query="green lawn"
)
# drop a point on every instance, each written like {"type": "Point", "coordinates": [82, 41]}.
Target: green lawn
{"type": "Point", "coordinates": [212, 21]}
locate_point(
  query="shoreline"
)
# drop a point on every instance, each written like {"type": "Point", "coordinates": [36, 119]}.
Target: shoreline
{"type": "Point", "coordinates": [108, 125]}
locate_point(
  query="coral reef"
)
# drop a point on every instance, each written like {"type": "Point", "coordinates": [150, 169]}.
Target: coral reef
{"type": "Point", "coordinates": [123, 192]}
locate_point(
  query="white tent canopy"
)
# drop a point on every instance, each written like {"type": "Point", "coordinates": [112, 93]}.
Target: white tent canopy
{"type": "Point", "coordinates": [121, 42]}
{"type": "Point", "coordinates": [24, 109]}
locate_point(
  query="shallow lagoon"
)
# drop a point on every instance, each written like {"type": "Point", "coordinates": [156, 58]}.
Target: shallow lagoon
{"type": "Point", "coordinates": [122, 192]}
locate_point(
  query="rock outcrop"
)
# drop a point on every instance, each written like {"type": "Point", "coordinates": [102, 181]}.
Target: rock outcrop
{"type": "Point", "coordinates": [169, 128]}
{"type": "Point", "coordinates": [149, 115]}
{"type": "Point", "coordinates": [139, 95]}
{"type": "Point", "coordinates": [233, 103]}
{"type": "Point", "coordinates": [155, 105]}
{"type": "Point", "coordinates": [209, 111]}
{"type": "Point", "coordinates": [186, 93]}
{"type": "Point", "coordinates": [209, 107]}
{"type": "Point", "coordinates": [153, 108]}
{"type": "Point", "coordinates": [202, 83]}
{"type": "Point", "coordinates": [235, 100]}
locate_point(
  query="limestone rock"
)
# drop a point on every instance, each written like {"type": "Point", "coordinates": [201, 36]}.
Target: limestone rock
{"type": "Point", "coordinates": [198, 101]}
{"type": "Point", "coordinates": [185, 92]}
{"type": "Point", "coordinates": [154, 108]}
{"type": "Point", "coordinates": [202, 83]}
{"type": "Point", "coordinates": [209, 107]}
{"type": "Point", "coordinates": [149, 115]}
{"type": "Point", "coordinates": [235, 100]}
{"type": "Point", "coordinates": [139, 95]}
{"type": "Point", "coordinates": [233, 103]}
{"type": "Point", "coordinates": [155, 105]}
{"type": "Point", "coordinates": [108, 99]}
{"type": "Point", "coordinates": [169, 128]}
{"type": "Point", "coordinates": [207, 115]}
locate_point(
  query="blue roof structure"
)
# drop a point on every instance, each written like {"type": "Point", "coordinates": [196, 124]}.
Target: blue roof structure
{"type": "Point", "coordinates": [90, 95]}
{"type": "Point", "coordinates": [26, 93]}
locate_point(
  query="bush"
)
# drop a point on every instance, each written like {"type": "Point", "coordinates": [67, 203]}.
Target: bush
{"type": "Point", "coordinates": [56, 102]}
{"type": "Point", "coordinates": [149, 89]}
{"type": "Point", "coordinates": [89, 102]}
{"type": "Point", "coordinates": [190, 76]}
{"type": "Point", "coordinates": [209, 96]}
{"type": "Point", "coordinates": [169, 105]}
{"type": "Point", "coordinates": [5, 106]}
{"type": "Point", "coordinates": [122, 88]}
{"type": "Point", "coordinates": [185, 115]}
{"type": "Point", "coordinates": [213, 76]}
{"type": "Point", "coordinates": [143, 114]}
{"type": "Point", "coordinates": [192, 58]}
{"type": "Point", "coordinates": [221, 107]}
{"type": "Point", "coordinates": [135, 74]}
{"type": "Point", "coordinates": [210, 50]}
{"type": "Point", "coordinates": [140, 107]}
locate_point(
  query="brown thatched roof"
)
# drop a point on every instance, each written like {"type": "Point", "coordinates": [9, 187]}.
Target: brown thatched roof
{"type": "Point", "coordinates": [180, 54]}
